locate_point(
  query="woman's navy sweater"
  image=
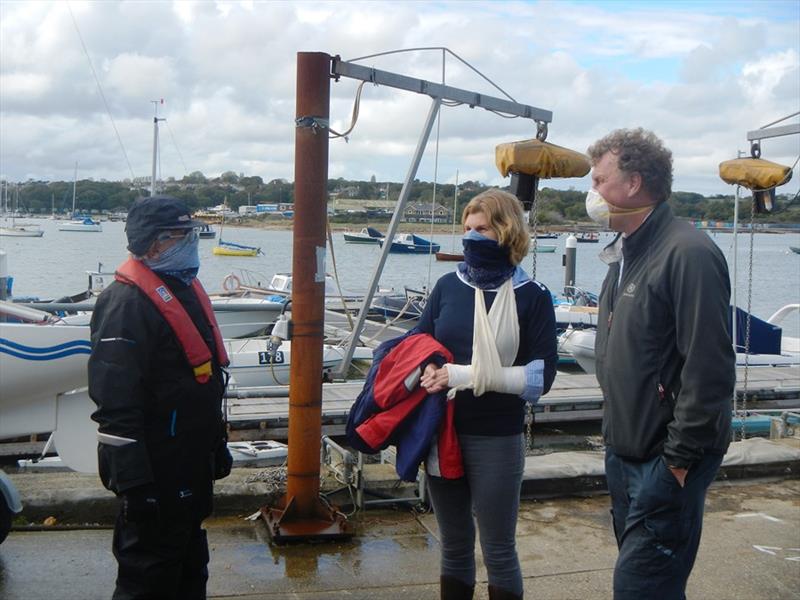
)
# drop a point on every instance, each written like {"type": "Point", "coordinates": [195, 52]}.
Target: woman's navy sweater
{"type": "Point", "coordinates": [448, 317]}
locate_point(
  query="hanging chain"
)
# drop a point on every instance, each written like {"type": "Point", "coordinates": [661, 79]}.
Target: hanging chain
{"type": "Point", "coordinates": [749, 308]}
{"type": "Point", "coordinates": [533, 221]}
{"type": "Point", "coordinates": [529, 419]}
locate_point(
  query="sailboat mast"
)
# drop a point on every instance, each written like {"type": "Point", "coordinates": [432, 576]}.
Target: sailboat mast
{"type": "Point", "coordinates": [455, 209]}
{"type": "Point", "coordinates": [155, 144]}
{"type": "Point", "coordinates": [74, 186]}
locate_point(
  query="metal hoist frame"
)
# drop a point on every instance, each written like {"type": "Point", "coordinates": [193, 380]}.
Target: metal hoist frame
{"type": "Point", "coordinates": [439, 93]}
{"type": "Point", "coordinates": [754, 137]}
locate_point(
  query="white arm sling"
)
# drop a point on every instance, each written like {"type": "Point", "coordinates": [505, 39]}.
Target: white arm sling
{"type": "Point", "coordinates": [495, 342]}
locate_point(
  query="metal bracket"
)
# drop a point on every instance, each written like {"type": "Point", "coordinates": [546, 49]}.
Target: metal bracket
{"type": "Point", "coordinates": [541, 131]}
{"type": "Point", "coordinates": [349, 468]}
{"type": "Point", "coordinates": [313, 123]}
{"type": "Point", "coordinates": [340, 68]}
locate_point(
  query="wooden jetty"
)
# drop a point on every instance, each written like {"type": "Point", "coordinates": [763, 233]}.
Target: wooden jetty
{"type": "Point", "coordinates": [263, 413]}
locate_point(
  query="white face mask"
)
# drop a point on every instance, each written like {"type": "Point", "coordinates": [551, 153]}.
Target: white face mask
{"type": "Point", "coordinates": [597, 208]}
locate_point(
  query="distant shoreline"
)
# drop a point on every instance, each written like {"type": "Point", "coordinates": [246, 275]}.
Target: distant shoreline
{"type": "Point", "coordinates": [443, 228]}
{"type": "Point", "coordinates": [440, 228]}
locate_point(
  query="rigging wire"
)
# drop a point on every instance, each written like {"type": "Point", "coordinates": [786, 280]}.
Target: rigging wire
{"type": "Point", "coordinates": [443, 50]}
{"type": "Point", "coordinates": [433, 196]}
{"type": "Point", "coordinates": [100, 90]}
{"type": "Point", "coordinates": [178, 150]}
{"type": "Point", "coordinates": [435, 177]}
{"type": "Point", "coordinates": [779, 120]}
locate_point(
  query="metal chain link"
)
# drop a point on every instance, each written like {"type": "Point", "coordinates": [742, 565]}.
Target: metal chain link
{"type": "Point", "coordinates": [533, 221]}
{"type": "Point", "coordinates": [529, 418]}
{"type": "Point", "coordinates": [749, 308]}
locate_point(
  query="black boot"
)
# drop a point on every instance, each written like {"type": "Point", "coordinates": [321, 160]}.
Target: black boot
{"type": "Point", "coordinates": [451, 588]}
{"type": "Point", "coordinates": [496, 593]}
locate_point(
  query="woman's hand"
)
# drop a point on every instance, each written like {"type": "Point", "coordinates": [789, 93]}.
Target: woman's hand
{"type": "Point", "coordinates": [434, 379]}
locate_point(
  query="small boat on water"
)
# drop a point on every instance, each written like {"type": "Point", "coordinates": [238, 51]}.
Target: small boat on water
{"type": "Point", "coordinates": [21, 231]}
{"type": "Point", "coordinates": [544, 248]}
{"type": "Point", "coordinates": [794, 249]}
{"type": "Point", "coordinates": [232, 249]}
{"type": "Point", "coordinates": [207, 232]}
{"type": "Point", "coordinates": [367, 235]}
{"type": "Point", "coordinates": [449, 256]}
{"type": "Point", "coordinates": [546, 236]}
{"type": "Point", "coordinates": [407, 306]}
{"type": "Point", "coordinates": [86, 224]}
{"type": "Point", "coordinates": [587, 237]}
{"type": "Point", "coordinates": [18, 229]}
{"type": "Point", "coordinates": [79, 222]}
{"type": "Point", "coordinates": [409, 243]}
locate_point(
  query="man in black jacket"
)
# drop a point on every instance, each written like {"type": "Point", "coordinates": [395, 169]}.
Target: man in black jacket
{"type": "Point", "coordinates": [156, 375]}
{"type": "Point", "coordinates": [665, 363]}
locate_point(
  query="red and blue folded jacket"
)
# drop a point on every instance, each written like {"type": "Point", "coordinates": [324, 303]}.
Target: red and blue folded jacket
{"type": "Point", "coordinates": [387, 412]}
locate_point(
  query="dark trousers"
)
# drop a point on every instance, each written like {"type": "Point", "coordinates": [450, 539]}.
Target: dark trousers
{"type": "Point", "coordinates": [161, 560]}
{"type": "Point", "coordinates": [489, 494]}
{"type": "Point", "coordinates": [657, 524]}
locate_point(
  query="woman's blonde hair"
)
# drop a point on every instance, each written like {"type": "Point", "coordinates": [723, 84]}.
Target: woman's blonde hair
{"type": "Point", "coordinates": [505, 216]}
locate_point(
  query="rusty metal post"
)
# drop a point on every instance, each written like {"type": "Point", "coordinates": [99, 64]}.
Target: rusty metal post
{"type": "Point", "coordinates": [301, 514]}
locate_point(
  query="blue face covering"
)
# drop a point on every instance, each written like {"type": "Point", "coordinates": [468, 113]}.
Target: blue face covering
{"type": "Point", "coordinates": [181, 261]}
{"type": "Point", "coordinates": [487, 264]}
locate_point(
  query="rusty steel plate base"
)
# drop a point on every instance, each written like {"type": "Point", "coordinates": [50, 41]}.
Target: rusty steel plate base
{"type": "Point", "coordinates": [284, 526]}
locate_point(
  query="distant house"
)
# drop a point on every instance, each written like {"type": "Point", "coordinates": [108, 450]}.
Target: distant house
{"type": "Point", "coordinates": [420, 212]}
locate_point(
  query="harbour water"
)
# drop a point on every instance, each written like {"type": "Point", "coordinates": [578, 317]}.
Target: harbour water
{"type": "Point", "coordinates": [55, 265]}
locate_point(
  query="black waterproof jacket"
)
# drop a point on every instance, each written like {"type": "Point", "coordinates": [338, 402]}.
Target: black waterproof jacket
{"type": "Point", "coordinates": [665, 361]}
{"type": "Point", "coordinates": [145, 390]}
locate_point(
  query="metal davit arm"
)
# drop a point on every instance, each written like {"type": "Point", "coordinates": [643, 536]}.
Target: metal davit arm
{"type": "Point", "coordinates": [438, 93]}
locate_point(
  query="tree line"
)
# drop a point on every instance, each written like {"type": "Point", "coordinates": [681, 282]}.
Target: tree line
{"type": "Point", "coordinates": [199, 192]}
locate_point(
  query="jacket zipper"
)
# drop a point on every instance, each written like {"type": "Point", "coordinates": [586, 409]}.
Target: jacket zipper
{"type": "Point", "coordinates": [612, 302]}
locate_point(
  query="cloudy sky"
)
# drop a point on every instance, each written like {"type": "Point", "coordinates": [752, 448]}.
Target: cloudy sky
{"type": "Point", "coordinates": [700, 74]}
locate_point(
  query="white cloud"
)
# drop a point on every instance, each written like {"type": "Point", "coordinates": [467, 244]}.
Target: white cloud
{"type": "Point", "coordinates": [136, 76]}
{"type": "Point", "coordinates": [760, 78]}
{"type": "Point", "coordinates": [227, 71]}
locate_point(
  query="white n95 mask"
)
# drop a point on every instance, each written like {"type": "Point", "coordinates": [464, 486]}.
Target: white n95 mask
{"type": "Point", "coordinates": [600, 210]}
{"type": "Point", "coordinates": [597, 208]}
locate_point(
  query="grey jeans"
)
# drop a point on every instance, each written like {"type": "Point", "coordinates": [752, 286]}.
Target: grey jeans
{"type": "Point", "coordinates": [489, 494]}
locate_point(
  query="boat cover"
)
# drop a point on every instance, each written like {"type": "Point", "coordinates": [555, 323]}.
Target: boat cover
{"type": "Point", "coordinates": [765, 338]}
{"type": "Point", "coordinates": [754, 173]}
{"type": "Point", "coordinates": [540, 159]}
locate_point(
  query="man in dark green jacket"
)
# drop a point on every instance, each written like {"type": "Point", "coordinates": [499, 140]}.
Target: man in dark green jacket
{"type": "Point", "coordinates": [665, 363]}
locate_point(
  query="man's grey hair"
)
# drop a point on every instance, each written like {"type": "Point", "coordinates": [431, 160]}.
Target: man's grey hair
{"type": "Point", "coordinates": [639, 151]}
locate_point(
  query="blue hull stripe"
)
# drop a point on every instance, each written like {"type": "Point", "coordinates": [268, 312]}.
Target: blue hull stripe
{"type": "Point", "coordinates": [46, 353]}
{"type": "Point", "coordinates": [45, 349]}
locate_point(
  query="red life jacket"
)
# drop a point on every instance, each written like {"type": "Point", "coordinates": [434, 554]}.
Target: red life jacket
{"type": "Point", "coordinates": [134, 272]}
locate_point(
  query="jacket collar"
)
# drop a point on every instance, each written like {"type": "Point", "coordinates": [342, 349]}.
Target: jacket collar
{"type": "Point", "coordinates": [640, 239]}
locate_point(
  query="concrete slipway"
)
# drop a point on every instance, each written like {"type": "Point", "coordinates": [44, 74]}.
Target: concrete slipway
{"type": "Point", "coordinates": [750, 548]}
